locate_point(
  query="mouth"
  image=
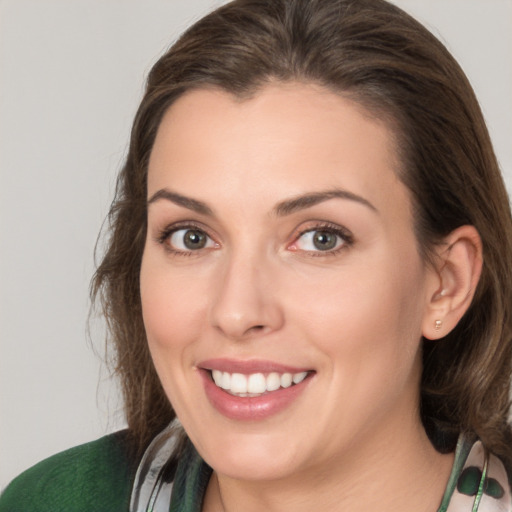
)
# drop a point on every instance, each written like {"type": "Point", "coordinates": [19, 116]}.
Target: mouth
{"type": "Point", "coordinates": [252, 390]}
{"type": "Point", "coordinates": [255, 384]}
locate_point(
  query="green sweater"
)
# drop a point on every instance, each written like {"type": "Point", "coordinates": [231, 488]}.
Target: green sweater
{"type": "Point", "coordinates": [94, 477]}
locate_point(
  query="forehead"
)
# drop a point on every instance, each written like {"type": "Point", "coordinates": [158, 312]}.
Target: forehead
{"type": "Point", "coordinates": [297, 137]}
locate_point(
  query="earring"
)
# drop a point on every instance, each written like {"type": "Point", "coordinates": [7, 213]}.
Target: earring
{"type": "Point", "coordinates": [438, 325]}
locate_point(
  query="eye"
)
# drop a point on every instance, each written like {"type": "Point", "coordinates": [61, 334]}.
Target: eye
{"type": "Point", "coordinates": [318, 240]}
{"type": "Point", "coordinates": [189, 239]}
{"type": "Point", "coordinates": [325, 239]}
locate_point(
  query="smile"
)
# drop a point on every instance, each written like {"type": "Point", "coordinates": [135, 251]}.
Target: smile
{"type": "Point", "coordinates": [252, 390]}
{"type": "Point", "coordinates": [255, 384]}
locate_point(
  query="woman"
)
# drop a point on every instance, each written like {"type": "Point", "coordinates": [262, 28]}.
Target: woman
{"type": "Point", "coordinates": [307, 281]}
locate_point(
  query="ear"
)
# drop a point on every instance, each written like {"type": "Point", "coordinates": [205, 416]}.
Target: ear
{"type": "Point", "coordinates": [458, 267]}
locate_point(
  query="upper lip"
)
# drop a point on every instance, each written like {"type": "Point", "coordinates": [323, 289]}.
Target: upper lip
{"type": "Point", "coordinates": [248, 367]}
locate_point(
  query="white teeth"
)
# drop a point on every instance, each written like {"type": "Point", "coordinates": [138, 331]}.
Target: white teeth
{"type": "Point", "coordinates": [255, 384]}
{"type": "Point", "coordinates": [299, 377]}
{"type": "Point", "coordinates": [217, 377]}
{"type": "Point", "coordinates": [273, 381]}
{"type": "Point", "coordinates": [286, 380]}
{"type": "Point", "coordinates": [238, 383]}
{"type": "Point", "coordinates": [226, 381]}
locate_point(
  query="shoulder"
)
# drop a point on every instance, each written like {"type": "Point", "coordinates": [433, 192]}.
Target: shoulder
{"type": "Point", "coordinates": [94, 476]}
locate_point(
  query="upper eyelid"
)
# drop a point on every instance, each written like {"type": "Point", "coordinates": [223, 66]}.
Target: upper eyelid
{"type": "Point", "coordinates": [173, 227]}
{"type": "Point", "coordinates": [332, 229]}
{"type": "Point", "coordinates": [325, 226]}
{"type": "Point", "coordinates": [184, 224]}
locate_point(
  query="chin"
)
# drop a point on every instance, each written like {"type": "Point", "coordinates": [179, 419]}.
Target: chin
{"type": "Point", "coordinates": [251, 456]}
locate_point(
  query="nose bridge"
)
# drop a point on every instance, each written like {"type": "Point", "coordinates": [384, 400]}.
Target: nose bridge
{"type": "Point", "coordinates": [245, 302]}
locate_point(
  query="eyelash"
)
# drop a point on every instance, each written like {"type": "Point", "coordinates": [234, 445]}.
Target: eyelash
{"type": "Point", "coordinates": [165, 234]}
{"type": "Point", "coordinates": [347, 239]}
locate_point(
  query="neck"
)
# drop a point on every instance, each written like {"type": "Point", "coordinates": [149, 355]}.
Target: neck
{"type": "Point", "coordinates": [398, 470]}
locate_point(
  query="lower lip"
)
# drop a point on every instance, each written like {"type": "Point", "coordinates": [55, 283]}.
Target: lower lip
{"type": "Point", "coordinates": [251, 408]}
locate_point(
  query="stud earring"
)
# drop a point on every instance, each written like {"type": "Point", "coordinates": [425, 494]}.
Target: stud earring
{"type": "Point", "coordinates": [438, 325]}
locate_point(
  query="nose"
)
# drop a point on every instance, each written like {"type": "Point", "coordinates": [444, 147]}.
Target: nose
{"type": "Point", "coordinates": [246, 303]}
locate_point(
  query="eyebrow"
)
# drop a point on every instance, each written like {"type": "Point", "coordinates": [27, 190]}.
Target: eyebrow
{"type": "Point", "coordinates": [308, 200]}
{"type": "Point", "coordinates": [282, 209]}
{"type": "Point", "coordinates": [186, 202]}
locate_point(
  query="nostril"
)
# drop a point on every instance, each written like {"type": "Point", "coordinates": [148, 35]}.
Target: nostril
{"type": "Point", "coordinates": [255, 329]}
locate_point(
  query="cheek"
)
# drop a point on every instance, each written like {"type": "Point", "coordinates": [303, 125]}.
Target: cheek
{"type": "Point", "coordinates": [172, 308]}
{"type": "Point", "coordinates": [369, 314]}
{"type": "Point", "coordinates": [172, 305]}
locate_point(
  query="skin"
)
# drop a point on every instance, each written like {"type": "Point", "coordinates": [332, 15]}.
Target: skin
{"type": "Point", "coordinates": [260, 289]}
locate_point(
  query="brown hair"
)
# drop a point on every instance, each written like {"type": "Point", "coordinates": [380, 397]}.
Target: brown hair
{"type": "Point", "coordinates": [374, 53]}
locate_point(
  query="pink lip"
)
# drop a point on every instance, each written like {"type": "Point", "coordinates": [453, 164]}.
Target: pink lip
{"type": "Point", "coordinates": [248, 367]}
{"type": "Point", "coordinates": [249, 408]}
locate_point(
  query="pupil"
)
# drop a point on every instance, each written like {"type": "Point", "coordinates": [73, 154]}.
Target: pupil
{"type": "Point", "coordinates": [194, 239]}
{"type": "Point", "coordinates": [324, 240]}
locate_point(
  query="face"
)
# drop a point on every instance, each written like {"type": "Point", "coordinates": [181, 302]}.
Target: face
{"type": "Point", "coordinates": [282, 289]}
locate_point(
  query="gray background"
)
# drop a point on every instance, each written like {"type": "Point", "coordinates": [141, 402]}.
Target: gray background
{"type": "Point", "coordinates": [71, 75]}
